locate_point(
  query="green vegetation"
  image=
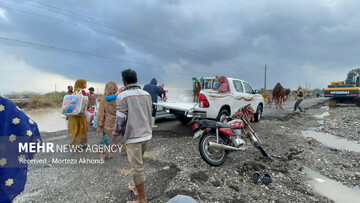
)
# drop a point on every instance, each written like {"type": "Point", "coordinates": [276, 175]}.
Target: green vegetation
{"type": "Point", "coordinates": [52, 99]}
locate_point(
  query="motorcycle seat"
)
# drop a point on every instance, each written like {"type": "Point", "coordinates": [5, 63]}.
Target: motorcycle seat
{"type": "Point", "coordinates": [213, 124]}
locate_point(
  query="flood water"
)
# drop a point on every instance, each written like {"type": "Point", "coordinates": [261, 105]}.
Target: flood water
{"type": "Point", "coordinates": [323, 115]}
{"type": "Point", "coordinates": [333, 141]}
{"type": "Point", "coordinates": [48, 120]}
{"type": "Point", "coordinates": [332, 189]}
{"type": "Point", "coordinates": [51, 120]}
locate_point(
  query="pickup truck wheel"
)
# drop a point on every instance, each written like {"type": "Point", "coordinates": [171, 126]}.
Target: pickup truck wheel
{"type": "Point", "coordinates": [222, 115]}
{"type": "Point", "coordinates": [258, 114]}
{"type": "Point", "coordinates": [183, 119]}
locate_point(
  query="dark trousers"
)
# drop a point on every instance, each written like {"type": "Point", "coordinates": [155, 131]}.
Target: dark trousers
{"type": "Point", "coordinates": [297, 105]}
{"type": "Point", "coordinates": [154, 111]}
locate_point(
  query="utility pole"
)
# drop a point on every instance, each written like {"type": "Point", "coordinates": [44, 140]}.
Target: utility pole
{"type": "Point", "coordinates": [265, 79]}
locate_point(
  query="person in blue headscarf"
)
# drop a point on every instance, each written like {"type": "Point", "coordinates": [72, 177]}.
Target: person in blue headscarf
{"type": "Point", "coordinates": [15, 128]}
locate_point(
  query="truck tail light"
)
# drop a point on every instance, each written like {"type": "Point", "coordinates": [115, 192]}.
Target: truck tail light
{"type": "Point", "coordinates": [203, 102]}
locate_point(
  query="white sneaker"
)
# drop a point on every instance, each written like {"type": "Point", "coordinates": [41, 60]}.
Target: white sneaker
{"type": "Point", "coordinates": [153, 122]}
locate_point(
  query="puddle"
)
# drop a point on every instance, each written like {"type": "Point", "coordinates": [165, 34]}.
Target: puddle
{"type": "Point", "coordinates": [332, 189]}
{"type": "Point", "coordinates": [48, 120]}
{"type": "Point", "coordinates": [323, 115]}
{"type": "Point", "coordinates": [333, 141]}
{"type": "Point", "coordinates": [325, 107]}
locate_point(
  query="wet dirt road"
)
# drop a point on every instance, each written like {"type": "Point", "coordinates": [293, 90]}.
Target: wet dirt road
{"type": "Point", "coordinates": [173, 166]}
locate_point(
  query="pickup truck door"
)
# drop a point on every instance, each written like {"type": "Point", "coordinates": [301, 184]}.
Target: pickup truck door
{"type": "Point", "coordinates": [240, 96]}
{"type": "Point", "coordinates": [250, 95]}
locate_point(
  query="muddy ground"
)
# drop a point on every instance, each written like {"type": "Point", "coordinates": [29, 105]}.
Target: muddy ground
{"type": "Point", "coordinates": [173, 164]}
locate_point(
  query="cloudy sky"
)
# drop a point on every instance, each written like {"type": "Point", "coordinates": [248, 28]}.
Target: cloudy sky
{"type": "Point", "coordinates": [43, 43]}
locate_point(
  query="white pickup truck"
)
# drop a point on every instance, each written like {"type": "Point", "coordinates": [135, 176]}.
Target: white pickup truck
{"type": "Point", "coordinates": [215, 105]}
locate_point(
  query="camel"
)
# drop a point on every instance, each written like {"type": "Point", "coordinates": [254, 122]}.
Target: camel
{"type": "Point", "coordinates": [278, 95]}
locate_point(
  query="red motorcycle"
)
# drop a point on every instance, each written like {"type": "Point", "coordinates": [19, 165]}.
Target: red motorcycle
{"type": "Point", "coordinates": [218, 139]}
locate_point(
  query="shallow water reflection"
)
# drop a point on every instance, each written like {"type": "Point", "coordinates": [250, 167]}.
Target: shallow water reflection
{"type": "Point", "coordinates": [323, 115]}
{"type": "Point", "coordinates": [332, 189]}
{"type": "Point", "coordinates": [333, 141]}
{"type": "Point", "coordinates": [48, 120]}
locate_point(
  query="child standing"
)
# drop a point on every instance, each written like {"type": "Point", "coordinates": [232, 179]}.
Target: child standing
{"type": "Point", "coordinates": [216, 83]}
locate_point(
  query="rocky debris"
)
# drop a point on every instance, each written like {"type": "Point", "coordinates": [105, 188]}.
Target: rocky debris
{"type": "Point", "coordinates": [177, 168]}
{"type": "Point", "coordinates": [216, 183]}
{"type": "Point", "coordinates": [294, 154]}
{"type": "Point", "coordinates": [199, 176]}
{"type": "Point", "coordinates": [251, 166]}
{"type": "Point", "coordinates": [344, 122]}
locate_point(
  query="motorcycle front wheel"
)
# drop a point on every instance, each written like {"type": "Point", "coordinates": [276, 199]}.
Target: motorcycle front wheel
{"type": "Point", "coordinates": [214, 157]}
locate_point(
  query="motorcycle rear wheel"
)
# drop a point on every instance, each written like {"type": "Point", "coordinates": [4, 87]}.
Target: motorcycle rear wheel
{"type": "Point", "coordinates": [214, 157]}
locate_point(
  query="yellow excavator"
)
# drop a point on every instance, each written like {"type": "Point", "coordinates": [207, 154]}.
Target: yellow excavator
{"type": "Point", "coordinates": [347, 91]}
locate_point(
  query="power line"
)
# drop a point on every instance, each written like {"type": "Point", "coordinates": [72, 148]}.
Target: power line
{"type": "Point", "coordinates": [75, 15]}
{"type": "Point", "coordinates": [108, 25]}
{"type": "Point", "coordinates": [111, 26]}
{"type": "Point", "coordinates": [35, 14]}
{"type": "Point", "coordinates": [90, 19]}
{"type": "Point", "coordinates": [76, 51]}
{"type": "Point", "coordinates": [76, 25]}
{"type": "Point", "coordinates": [85, 53]}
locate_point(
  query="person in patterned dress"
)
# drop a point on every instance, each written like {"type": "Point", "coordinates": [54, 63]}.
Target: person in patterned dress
{"type": "Point", "coordinates": [15, 128]}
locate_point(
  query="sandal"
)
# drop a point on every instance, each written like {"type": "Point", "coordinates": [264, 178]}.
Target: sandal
{"type": "Point", "coordinates": [256, 177]}
{"type": "Point", "coordinates": [266, 179]}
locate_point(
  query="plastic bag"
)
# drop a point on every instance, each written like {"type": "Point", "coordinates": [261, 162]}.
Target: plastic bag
{"type": "Point", "coordinates": [74, 105]}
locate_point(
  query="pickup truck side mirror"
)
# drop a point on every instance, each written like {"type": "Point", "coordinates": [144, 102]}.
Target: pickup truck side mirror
{"type": "Point", "coordinates": [255, 92]}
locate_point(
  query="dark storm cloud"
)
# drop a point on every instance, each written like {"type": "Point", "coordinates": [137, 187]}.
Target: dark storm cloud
{"type": "Point", "coordinates": [299, 40]}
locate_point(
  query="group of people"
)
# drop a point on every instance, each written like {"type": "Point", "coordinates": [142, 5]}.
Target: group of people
{"type": "Point", "coordinates": [92, 102]}
{"type": "Point", "coordinates": [125, 118]}
{"type": "Point", "coordinates": [125, 115]}
{"type": "Point", "coordinates": [299, 94]}
{"type": "Point", "coordinates": [220, 84]}
{"type": "Point", "coordinates": [267, 98]}
{"type": "Point", "coordinates": [92, 96]}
